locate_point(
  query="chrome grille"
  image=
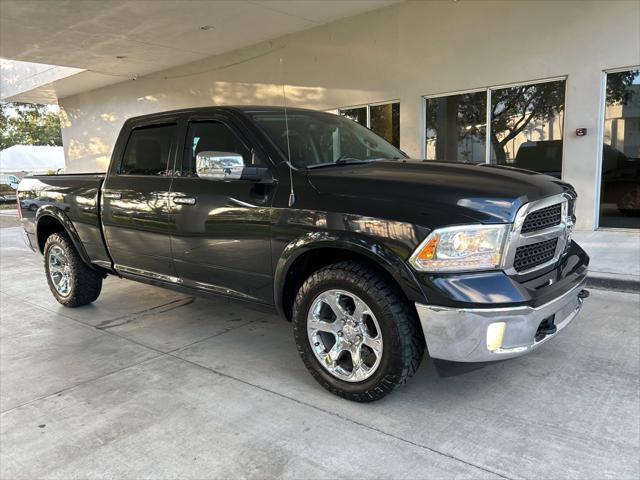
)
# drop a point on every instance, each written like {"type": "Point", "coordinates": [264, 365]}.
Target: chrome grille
{"type": "Point", "coordinates": [543, 218]}
{"type": "Point", "coordinates": [540, 233]}
{"type": "Point", "coordinates": [530, 256]}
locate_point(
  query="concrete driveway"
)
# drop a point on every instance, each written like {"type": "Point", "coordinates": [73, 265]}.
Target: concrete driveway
{"type": "Point", "coordinates": [148, 383]}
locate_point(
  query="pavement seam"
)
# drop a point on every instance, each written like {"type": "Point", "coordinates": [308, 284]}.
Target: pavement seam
{"type": "Point", "coordinates": [80, 384]}
{"type": "Point", "coordinates": [171, 353]}
{"type": "Point", "coordinates": [140, 344]}
{"type": "Point", "coordinates": [350, 420]}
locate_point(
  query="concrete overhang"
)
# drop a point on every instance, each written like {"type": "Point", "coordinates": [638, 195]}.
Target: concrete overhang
{"type": "Point", "coordinates": [78, 46]}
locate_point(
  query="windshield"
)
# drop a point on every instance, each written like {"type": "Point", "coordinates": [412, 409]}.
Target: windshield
{"type": "Point", "coordinates": [318, 138]}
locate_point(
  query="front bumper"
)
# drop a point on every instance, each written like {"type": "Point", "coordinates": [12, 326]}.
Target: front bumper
{"type": "Point", "coordinates": [460, 334]}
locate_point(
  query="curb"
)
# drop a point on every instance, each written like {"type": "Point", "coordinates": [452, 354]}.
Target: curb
{"type": "Point", "coordinates": [620, 283]}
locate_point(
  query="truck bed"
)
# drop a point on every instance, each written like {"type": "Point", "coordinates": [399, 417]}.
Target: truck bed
{"type": "Point", "coordinates": [72, 198]}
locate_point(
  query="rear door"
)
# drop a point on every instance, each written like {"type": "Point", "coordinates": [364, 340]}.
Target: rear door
{"type": "Point", "coordinates": [222, 227]}
{"type": "Point", "coordinates": [135, 202]}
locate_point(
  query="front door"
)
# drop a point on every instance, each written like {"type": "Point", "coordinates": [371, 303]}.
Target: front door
{"type": "Point", "coordinates": [221, 241]}
{"type": "Point", "coordinates": [135, 204]}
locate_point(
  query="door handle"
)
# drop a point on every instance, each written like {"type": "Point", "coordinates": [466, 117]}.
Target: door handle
{"type": "Point", "coordinates": [184, 200]}
{"type": "Point", "coordinates": [113, 195]}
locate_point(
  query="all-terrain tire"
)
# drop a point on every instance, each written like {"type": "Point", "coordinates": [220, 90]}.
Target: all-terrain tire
{"type": "Point", "coordinates": [403, 341]}
{"type": "Point", "coordinates": [85, 283]}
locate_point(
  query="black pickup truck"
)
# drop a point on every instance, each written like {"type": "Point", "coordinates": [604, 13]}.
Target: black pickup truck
{"type": "Point", "coordinates": [372, 256]}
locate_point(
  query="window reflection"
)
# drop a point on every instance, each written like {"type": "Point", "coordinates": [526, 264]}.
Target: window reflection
{"type": "Point", "coordinates": [358, 114]}
{"type": "Point", "coordinates": [382, 119]}
{"type": "Point", "coordinates": [527, 126]}
{"type": "Point", "coordinates": [620, 188]}
{"type": "Point", "coordinates": [385, 121]}
{"type": "Point", "coordinates": [456, 128]}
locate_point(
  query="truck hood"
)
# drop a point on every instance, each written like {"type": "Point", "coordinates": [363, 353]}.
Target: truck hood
{"type": "Point", "coordinates": [433, 193]}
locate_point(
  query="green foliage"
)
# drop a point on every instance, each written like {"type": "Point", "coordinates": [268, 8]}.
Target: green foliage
{"type": "Point", "coordinates": [28, 124]}
{"type": "Point", "coordinates": [618, 84]}
{"type": "Point", "coordinates": [512, 110]}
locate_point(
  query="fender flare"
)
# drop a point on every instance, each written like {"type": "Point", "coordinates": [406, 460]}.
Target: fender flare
{"type": "Point", "coordinates": [365, 246]}
{"type": "Point", "coordinates": [57, 214]}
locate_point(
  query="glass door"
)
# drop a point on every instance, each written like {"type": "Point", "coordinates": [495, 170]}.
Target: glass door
{"type": "Point", "coordinates": [620, 179]}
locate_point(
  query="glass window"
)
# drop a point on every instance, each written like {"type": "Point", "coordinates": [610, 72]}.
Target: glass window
{"type": "Point", "coordinates": [385, 121]}
{"type": "Point", "coordinates": [456, 128]}
{"type": "Point", "coordinates": [620, 188]}
{"type": "Point", "coordinates": [211, 136]}
{"type": "Point", "coordinates": [527, 126]}
{"type": "Point", "coordinates": [358, 114]}
{"type": "Point", "coordinates": [148, 151]}
{"type": "Point", "coordinates": [317, 138]}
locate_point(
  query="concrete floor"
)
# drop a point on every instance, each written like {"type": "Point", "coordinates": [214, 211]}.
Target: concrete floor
{"type": "Point", "coordinates": [613, 253]}
{"type": "Point", "coordinates": [148, 383]}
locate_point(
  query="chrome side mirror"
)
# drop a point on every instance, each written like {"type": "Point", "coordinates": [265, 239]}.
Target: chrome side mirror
{"type": "Point", "coordinates": [219, 165]}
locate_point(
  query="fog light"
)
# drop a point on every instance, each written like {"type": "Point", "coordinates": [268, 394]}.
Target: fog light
{"type": "Point", "coordinates": [495, 335]}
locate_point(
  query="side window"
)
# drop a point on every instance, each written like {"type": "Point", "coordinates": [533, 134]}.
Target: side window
{"type": "Point", "coordinates": [211, 136]}
{"type": "Point", "coordinates": [148, 151]}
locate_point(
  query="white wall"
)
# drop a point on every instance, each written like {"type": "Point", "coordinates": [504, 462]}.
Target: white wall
{"type": "Point", "coordinates": [401, 52]}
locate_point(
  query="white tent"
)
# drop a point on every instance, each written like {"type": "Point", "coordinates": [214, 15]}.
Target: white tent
{"type": "Point", "coordinates": [31, 159]}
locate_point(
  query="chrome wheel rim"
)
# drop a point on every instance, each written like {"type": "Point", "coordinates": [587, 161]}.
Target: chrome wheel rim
{"type": "Point", "coordinates": [344, 335]}
{"type": "Point", "coordinates": [59, 270]}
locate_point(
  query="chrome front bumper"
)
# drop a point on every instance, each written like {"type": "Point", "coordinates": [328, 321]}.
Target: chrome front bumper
{"type": "Point", "coordinates": [460, 335]}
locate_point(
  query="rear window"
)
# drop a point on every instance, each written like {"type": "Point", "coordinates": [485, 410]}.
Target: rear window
{"type": "Point", "coordinates": [148, 151]}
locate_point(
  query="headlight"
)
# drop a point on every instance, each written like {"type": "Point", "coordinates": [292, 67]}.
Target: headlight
{"type": "Point", "coordinates": [462, 248]}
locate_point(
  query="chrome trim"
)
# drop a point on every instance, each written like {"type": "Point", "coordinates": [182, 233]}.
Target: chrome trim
{"type": "Point", "coordinates": [460, 334]}
{"type": "Point", "coordinates": [179, 281]}
{"type": "Point", "coordinates": [147, 273]}
{"type": "Point", "coordinates": [517, 239]}
{"type": "Point", "coordinates": [184, 200]}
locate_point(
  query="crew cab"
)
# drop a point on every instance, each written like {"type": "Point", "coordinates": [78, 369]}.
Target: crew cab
{"type": "Point", "coordinates": [371, 255]}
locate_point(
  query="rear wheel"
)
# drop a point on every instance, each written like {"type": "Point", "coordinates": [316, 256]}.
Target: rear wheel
{"type": "Point", "coordinates": [72, 282]}
{"type": "Point", "coordinates": [355, 332]}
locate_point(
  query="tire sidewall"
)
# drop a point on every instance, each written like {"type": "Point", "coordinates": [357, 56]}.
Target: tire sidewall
{"type": "Point", "coordinates": [388, 367]}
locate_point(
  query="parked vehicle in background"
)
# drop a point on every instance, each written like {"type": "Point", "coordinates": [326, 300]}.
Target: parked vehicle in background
{"type": "Point", "coordinates": [371, 255]}
{"type": "Point", "coordinates": [7, 194]}
{"type": "Point", "coordinates": [32, 204]}
{"type": "Point", "coordinates": [620, 173]}
{"type": "Point", "coordinates": [12, 180]}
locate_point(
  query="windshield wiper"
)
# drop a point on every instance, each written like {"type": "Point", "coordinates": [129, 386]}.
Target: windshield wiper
{"type": "Point", "coordinates": [344, 161]}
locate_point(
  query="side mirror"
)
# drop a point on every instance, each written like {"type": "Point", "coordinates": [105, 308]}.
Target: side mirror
{"type": "Point", "coordinates": [219, 165]}
{"type": "Point", "coordinates": [212, 165]}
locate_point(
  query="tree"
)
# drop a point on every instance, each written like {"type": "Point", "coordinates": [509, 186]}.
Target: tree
{"type": "Point", "coordinates": [513, 109]}
{"type": "Point", "coordinates": [458, 117]}
{"type": "Point", "coordinates": [28, 124]}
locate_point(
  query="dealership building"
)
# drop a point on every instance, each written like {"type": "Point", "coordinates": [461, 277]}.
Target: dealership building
{"type": "Point", "coordinates": [552, 86]}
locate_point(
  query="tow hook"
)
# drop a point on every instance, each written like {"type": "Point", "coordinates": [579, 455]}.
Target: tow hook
{"type": "Point", "coordinates": [546, 327]}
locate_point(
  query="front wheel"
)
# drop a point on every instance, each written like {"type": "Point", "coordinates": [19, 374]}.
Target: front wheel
{"type": "Point", "coordinates": [355, 333]}
{"type": "Point", "coordinates": [72, 282]}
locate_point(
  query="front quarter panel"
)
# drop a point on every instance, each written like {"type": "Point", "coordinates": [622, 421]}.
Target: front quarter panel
{"type": "Point", "coordinates": [387, 243]}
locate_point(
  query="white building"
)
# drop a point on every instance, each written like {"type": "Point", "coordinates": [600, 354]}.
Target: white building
{"type": "Point", "coordinates": [448, 80]}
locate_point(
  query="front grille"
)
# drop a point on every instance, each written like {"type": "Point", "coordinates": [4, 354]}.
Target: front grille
{"type": "Point", "coordinates": [529, 256]}
{"type": "Point", "coordinates": [543, 218]}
